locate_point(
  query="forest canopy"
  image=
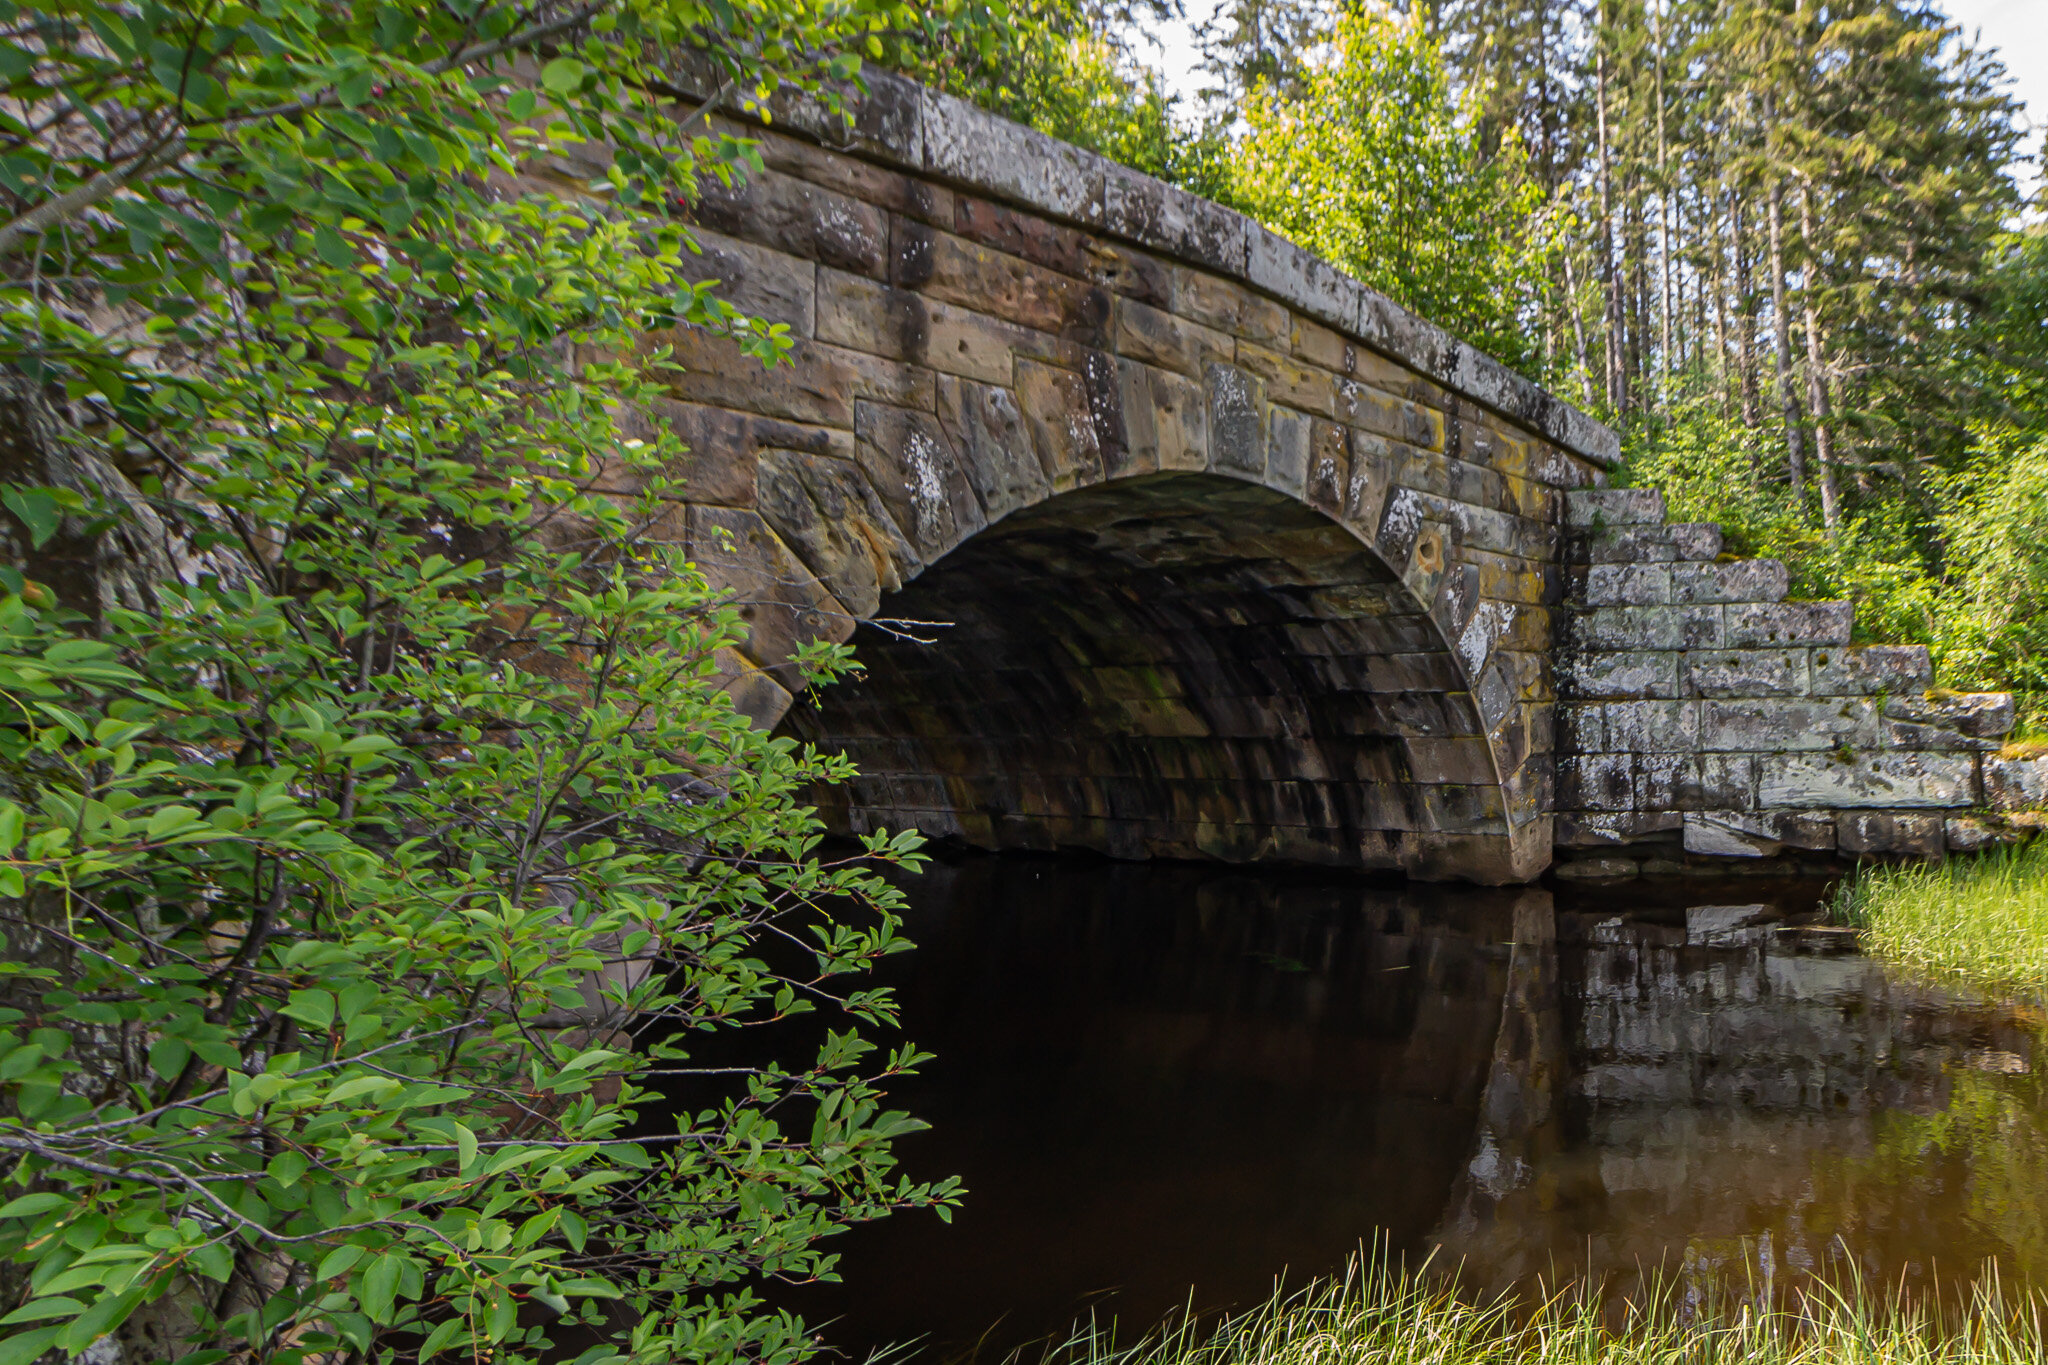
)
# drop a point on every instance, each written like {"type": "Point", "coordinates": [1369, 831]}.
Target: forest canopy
{"type": "Point", "coordinates": [1781, 245]}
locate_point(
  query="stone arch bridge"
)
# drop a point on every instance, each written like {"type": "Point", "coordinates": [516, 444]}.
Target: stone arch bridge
{"type": "Point", "coordinates": [1162, 537]}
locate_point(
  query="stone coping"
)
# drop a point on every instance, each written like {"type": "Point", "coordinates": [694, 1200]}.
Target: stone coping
{"type": "Point", "coordinates": [901, 123]}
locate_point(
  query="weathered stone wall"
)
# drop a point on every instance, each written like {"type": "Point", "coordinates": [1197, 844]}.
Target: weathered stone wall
{"type": "Point", "coordinates": [1207, 550]}
{"type": "Point", "coordinates": [1703, 714]}
{"type": "Point", "coordinates": [1245, 561]}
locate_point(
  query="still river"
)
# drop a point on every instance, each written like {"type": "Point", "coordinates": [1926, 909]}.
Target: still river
{"type": "Point", "coordinates": [1166, 1084]}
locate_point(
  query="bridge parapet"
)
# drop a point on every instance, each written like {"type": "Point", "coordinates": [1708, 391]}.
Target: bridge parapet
{"type": "Point", "coordinates": [1699, 711]}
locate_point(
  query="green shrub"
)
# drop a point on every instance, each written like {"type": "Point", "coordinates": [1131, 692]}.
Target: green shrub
{"type": "Point", "coordinates": [378, 844]}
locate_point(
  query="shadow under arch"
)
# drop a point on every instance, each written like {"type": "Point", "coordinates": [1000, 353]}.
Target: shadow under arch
{"type": "Point", "coordinates": [1176, 665]}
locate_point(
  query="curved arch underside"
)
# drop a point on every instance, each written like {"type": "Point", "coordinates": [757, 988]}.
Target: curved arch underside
{"type": "Point", "coordinates": [1181, 665]}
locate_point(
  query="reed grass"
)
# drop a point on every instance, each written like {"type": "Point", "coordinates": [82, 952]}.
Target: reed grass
{"type": "Point", "coordinates": [1983, 918]}
{"type": "Point", "coordinates": [1379, 1314]}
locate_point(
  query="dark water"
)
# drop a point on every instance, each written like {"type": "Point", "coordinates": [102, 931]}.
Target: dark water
{"type": "Point", "coordinates": [1167, 1085]}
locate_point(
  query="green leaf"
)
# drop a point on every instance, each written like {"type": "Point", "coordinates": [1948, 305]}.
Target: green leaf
{"type": "Point", "coordinates": [167, 1058]}
{"type": "Point", "coordinates": [438, 1339]}
{"type": "Point", "coordinates": [333, 248]}
{"type": "Point", "coordinates": [465, 1146]}
{"type": "Point", "coordinates": [169, 820]}
{"type": "Point", "coordinates": [562, 76]}
{"type": "Point", "coordinates": [26, 1348]}
{"type": "Point", "coordinates": [380, 1286]}
{"type": "Point", "coordinates": [41, 1310]}
{"type": "Point", "coordinates": [338, 1262]}
{"type": "Point", "coordinates": [314, 1008]}
{"type": "Point", "coordinates": [29, 1205]}
{"type": "Point", "coordinates": [38, 510]}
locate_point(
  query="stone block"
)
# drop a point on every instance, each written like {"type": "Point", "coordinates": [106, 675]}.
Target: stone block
{"type": "Point", "coordinates": [1323, 347]}
{"type": "Point", "coordinates": [1624, 628]}
{"type": "Point", "coordinates": [862, 315]}
{"type": "Point", "coordinates": [755, 695]}
{"type": "Point", "coordinates": [1327, 474]}
{"type": "Point", "coordinates": [815, 387]}
{"type": "Point", "coordinates": [721, 446]}
{"type": "Point", "coordinates": [1169, 219]}
{"type": "Point", "coordinates": [1619, 676]}
{"type": "Point", "coordinates": [1057, 414]}
{"type": "Point", "coordinates": [1230, 307]}
{"type": "Point", "coordinates": [1016, 232]}
{"type": "Point", "coordinates": [756, 279]}
{"type": "Point", "coordinates": [1288, 437]}
{"type": "Point", "coordinates": [1596, 782]}
{"type": "Point", "coordinates": [1645, 727]}
{"type": "Point", "coordinates": [1625, 585]}
{"type": "Point", "coordinates": [1156, 337]}
{"type": "Point", "coordinates": [1581, 727]}
{"type": "Point", "coordinates": [1861, 670]}
{"type": "Point", "coordinates": [1890, 832]}
{"type": "Point", "coordinates": [828, 514]}
{"type": "Point", "coordinates": [1757, 834]}
{"type": "Point", "coordinates": [987, 431]}
{"type": "Point", "coordinates": [1863, 781]}
{"type": "Point", "coordinates": [793, 216]}
{"type": "Point", "coordinates": [1308, 283]}
{"type": "Point", "coordinates": [1948, 720]}
{"type": "Point", "coordinates": [1593, 829]}
{"type": "Point", "coordinates": [1743, 580]}
{"type": "Point", "coordinates": [1745, 673]}
{"type": "Point", "coordinates": [1974, 833]}
{"type": "Point", "coordinates": [1384, 414]}
{"type": "Point", "coordinates": [849, 175]}
{"type": "Point", "coordinates": [1236, 420]}
{"type": "Point", "coordinates": [1391, 376]}
{"type": "Point", "coordinates": [943, 266]}
{"type": "Point", "coordinates": [1601, 507]}
{"type": "Point", "coordinates": [1289, 381]}
{"type": "Point", "coordinates": [970, 146]}
{"type": "Point", "coordinates": [1695, 541]}
{"type": "Point", "coordinates": [1787, 725]}
{"type": "Point", "coordinates": [1647, 544]}
{"type": "Point", "coordinates": [1768, 624]}
{"type": "Point", "coordinates": [2016, 783]}
{"type": "Point", "coordinates": [782, 603]}
{"type": "Point", "coordinates": [914, 468]}
{"type": "Point", "coordinates": [1165, 421]}
{"type": "Point", "coordinates": [1465, 760]}
{"type": "Point", "coordinates": [1685, 782]}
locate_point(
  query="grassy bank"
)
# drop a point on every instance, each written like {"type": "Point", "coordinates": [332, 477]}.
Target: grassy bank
{"type": "Point", "coordinates": [1380, 1316]}
{"type": "Point", "coordinates": [1984, 918]}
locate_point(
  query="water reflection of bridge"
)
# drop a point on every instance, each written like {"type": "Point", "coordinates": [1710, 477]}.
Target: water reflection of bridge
{"type": "Point", "coordinates": [1152, 1077]}
{"type": "Point", "coordinates": [1687, 1092]}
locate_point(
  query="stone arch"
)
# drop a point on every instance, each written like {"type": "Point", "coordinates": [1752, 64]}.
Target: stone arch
{"type": "Point", "coordinates": [1178, 664]}
{"type": "Point", "coordinates": [990, 327]}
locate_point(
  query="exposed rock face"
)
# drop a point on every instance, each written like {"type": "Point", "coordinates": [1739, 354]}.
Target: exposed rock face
{"type": "Point", "coordinates": [1700, 708]}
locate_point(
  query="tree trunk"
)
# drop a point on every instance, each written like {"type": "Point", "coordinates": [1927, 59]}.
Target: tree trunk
{"type": "Point", "coordinates": [1816, 369]}
{"type": "Point", "coordinates": [1745, 316]}
{"type": "Point", "coordinates": [1788, 402]}
{"type": "Point", "coordinates": [1663, 226]}
{"type": "Point", "coordinates": [1571, 308]}
{"type": "Point", "coordinates": [1617, 394]}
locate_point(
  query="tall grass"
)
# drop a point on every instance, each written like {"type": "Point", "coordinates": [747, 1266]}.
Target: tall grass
{"type": "Point", "coordinates": [1378, 1314]}
{"type": "Point", "coordinates": [1982, 918]}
